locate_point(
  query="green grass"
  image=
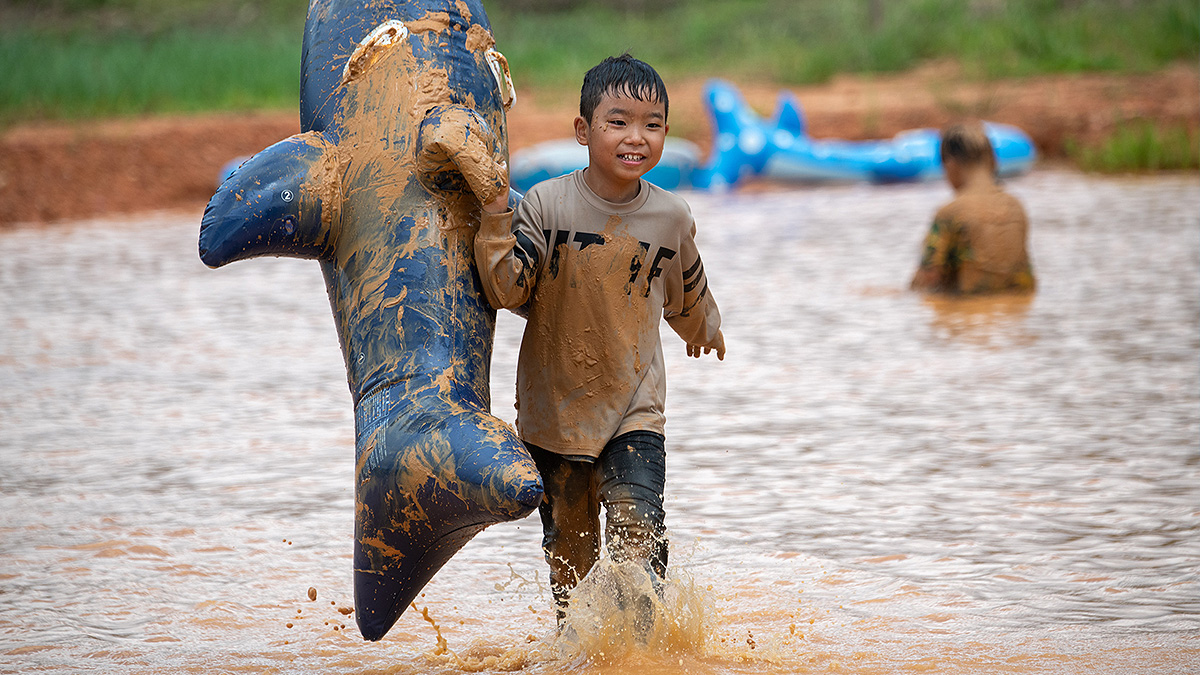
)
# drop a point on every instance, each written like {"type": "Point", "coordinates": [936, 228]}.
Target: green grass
{"type": "Point", "coordinates": [81, 76]}
{"type": "Point", "coordinates": [806, 41]}
{"type": "Point", "coordinates": [67, 59]}
{"type": "Point", "coordinates": [1140, 146]}
{"type": "Point", "coordinates": [96, 58]}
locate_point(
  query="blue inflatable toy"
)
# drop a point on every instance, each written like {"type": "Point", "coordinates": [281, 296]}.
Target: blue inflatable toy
{"type": "Point", "coordinates": [403, 111]}
{"type": "Point", "coordinates": [229, 167]}
{"type": "Point", "coordinates": [745, 145]}
{"type": "Point", "coordinates": [560, 157]}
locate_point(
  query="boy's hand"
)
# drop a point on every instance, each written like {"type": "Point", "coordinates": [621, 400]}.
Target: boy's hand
{"type": "Point", "coordinates": [497, 205]}
{"type": "Point", "coordinates": [718, 344]}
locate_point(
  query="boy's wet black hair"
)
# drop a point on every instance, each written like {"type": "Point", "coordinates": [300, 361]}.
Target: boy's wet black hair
{"type": "Point", "coordinates": [968, 143]}
{"type": "Point", "coordinates": [621, 75]}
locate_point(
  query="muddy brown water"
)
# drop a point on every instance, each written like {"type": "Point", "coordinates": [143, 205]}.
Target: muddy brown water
{"type": "Point", "coordinates": [871, 482]}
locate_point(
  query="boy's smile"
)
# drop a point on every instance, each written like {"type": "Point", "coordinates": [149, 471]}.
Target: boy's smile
{"type": "Point", "coordinates": [625, 139]}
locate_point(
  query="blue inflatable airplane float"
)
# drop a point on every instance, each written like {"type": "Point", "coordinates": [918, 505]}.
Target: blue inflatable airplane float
{"type": "Point", "coordinates": [746, 146]}
{"type": "Point", "coordinates": [402, 107]}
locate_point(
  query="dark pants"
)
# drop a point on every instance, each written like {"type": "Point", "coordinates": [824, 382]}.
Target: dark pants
{"type": "Point", "coordinates": [628, 478]}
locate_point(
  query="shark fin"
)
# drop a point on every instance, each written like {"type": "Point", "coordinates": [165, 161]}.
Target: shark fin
{"type": "Point", "coordinates": [788, 115]}
{"type": "Point", "coordinates": [283, 201]}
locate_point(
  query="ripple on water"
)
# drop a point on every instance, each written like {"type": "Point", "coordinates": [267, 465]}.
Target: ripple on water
{"type": "Point", "coordinates": [871, 482]}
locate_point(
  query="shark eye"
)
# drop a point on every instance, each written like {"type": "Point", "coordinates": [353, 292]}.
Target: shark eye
{"type": "Point", "coordinates": [499, 66]}
{"type": "Point", "coordinates": [371, 47]}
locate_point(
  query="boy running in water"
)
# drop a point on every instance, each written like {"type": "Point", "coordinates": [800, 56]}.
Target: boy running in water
{"type": "Point", "coordinates": [597, 259]}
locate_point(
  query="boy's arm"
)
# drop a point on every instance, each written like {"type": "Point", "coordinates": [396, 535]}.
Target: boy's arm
{"type": "Point", "coordinates": [690, 309]}
{"type": "Point", "coordinates": [933, 271]}
{"type": "Point", "coordinates": [508, 248]}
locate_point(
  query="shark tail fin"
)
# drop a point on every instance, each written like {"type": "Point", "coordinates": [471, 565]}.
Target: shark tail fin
{"type": "Point", "coordinates": [738, 138]}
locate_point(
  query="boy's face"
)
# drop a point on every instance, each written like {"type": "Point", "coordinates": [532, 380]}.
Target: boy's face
{"type": "Point", "coordinates": [624, 138]}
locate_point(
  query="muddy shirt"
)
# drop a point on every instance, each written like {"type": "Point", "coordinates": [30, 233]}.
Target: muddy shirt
{"type": "Point", "coordinates": [977, 245]}
{"type": "Point", "coordinates": [596, 279]}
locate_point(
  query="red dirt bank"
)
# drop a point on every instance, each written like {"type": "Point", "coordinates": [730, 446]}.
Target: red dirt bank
{"type": "Point", "coordinates": [52, 172]}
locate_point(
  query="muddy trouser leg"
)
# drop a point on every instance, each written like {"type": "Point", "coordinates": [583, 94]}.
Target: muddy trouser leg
{"type": "Point", "coordinates": [633, 475]}
{"type": "Point", "coordinates": [632, 479]}
{"type": "Point", "coordinates": [570, 512]}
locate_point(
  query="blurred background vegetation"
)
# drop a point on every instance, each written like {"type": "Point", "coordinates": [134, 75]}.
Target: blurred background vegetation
{"type": "Point", "coordinates": [88, 58]}
{"type": "Point", "coordinates": [73, 59]}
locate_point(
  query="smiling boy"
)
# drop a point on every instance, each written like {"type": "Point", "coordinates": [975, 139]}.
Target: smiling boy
{"type": "Point", "coordinates": [597, 259]}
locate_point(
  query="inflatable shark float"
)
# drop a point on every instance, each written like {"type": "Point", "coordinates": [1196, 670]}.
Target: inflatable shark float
{"type": "Point", "coordinates": [403, 111]}
{"type": "Point", "coordinates": [746, 146]}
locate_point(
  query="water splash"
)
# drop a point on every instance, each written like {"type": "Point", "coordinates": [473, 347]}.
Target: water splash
{"type": "Point", "coordinates": [619, 611]}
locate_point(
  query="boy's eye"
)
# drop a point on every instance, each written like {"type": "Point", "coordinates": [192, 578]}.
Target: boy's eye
{"type": "Point", "coordinates": [616, 123]}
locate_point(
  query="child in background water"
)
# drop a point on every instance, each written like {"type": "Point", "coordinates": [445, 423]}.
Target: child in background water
{"type": "Point", "coordinates": [598, 258]}
{"type": "Point", "coordinates": [977, 243]}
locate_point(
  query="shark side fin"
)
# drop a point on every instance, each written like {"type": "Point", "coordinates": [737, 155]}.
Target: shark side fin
{"type": "Point", "coordinates": [283, 202]}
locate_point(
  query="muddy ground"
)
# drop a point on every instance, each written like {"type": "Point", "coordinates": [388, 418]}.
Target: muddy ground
{"type": "Point", "coordinates": [59, 171]}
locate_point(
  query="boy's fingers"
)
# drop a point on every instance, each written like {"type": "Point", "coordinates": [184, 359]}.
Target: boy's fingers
{"type": "Point", "coordinates": [497, 205]}
{"type": "Point", "coordinates": [697, 350]}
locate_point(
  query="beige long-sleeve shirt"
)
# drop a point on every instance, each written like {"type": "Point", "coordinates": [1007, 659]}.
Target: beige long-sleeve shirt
{"type": "Point", "coordinates": [596, 279]}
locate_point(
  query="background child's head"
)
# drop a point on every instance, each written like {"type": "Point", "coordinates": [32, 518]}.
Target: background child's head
{"type": "Point", "coordinates": [965, 147]}
{"type": "Point", "coordinates": [621, 76]}
{"type": "Point", "coordinates": [967, 143]}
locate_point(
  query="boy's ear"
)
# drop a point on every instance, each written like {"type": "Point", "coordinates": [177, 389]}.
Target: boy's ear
{"type": "Point", "coordinates": [581, 130]}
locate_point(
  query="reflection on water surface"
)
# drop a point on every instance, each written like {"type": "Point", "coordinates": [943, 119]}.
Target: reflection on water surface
{"type": "Point", "coordinates": [871, 482]}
